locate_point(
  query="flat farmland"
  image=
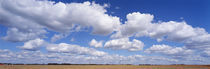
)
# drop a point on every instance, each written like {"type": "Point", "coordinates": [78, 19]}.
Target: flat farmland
{"type": "Point", "coordinates": [104, 67]}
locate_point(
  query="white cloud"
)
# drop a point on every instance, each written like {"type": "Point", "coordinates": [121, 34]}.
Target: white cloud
{"type": "Point", "coordinates": [182, 54]}
{"type": "Point", "coordinates": [201, 42]}
{"type": "Point", "coordinates": [74, 49]}
{"type": "Point", "coordinates": [175, 31]}
{"type": "Point", "coordinates": [32, 16]}
{"type": "Point", "coordinates": [33, 45]}
{"type": "Point", "coordinates": [124, 43]}
{"type": "Point", "coordinates": [136, 23]}
{"type": "Point", "coordinates": [168, 50]}
{"type": "Point", "coordinates": [193, 38]}
{"type": "Point", "coordinates": [95, 43]}
{"type": "Point", "coordinates": [140, 24]}
{"type": "Point", "coordinates": [58, 36]}
{"type": "Point", "coordinates": [48, 57]}
{"type": "Point", "coordinates": [16, 35]}
{"type": "Point", "coordinates": [29, 20]}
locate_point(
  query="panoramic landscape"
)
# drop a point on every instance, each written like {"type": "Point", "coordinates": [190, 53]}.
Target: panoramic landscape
{"type": "Point", "coordinates": [104, 34]}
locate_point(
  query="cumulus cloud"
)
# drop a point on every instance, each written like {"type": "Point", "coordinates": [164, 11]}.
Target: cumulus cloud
{"type": "Point", "coordinates": [95, 43]}
{"type": "Point", "coordinates": [176, 31]}
{"type": "Point", "coordinates": [74, 49]}
{"type": "Point", "coordinates": [16, 35]}
{"type": "Point", "coordinates": [169, 50]}
{"type": "Point", "coordinates": [33, 45]}
{"type": "Point", "coordinates": [40, 57]}
{"type": "Point", "coordinates": [201, 42]}
{"type": "Point", "coordinates": [178, 53]}
{"type": "Point", "coordinates": [124, 43]}
{"type": "Point", "coordinates": [29, 20]}
{"type": "Point", "coordinates": [58, 36]}
{"type": "Point", "coordinates": [136, 23]}
{"type": "Point", "coordinates": [26, 20]}
{"type": "Point", "coordinates": [33, 17]}
{"type": "Point", "coordinates": [140, 24]}
{"type": "Point", "coordinates": [36, 44]}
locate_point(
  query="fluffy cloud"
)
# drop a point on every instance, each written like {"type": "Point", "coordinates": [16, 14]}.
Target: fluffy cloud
{"type": "Point", "coordinates": [140, 24]}
{"type": "Point", "coordinates": [58, 36]}
{"type": "Point", "coordinates": [16, 35]}
{"type": "Point", "coordinates": [74, 49]}
{"type": "Point", "coordinates": [136, 23]}
{"type": "Point", "coordinates": [201, 42]}
{"type": "Point", "coordinates": [30, 20]}
{"type": "Point", "coordinates": [33, 45]}
{"type": "Point", "coordinates": [175, 31]}
{"type": "Point", "coordinates": [124, 43]}
{"type": "Point", "coordinates": [33, 17]}
{"type": "Point", "coordinates": [36, 44]}
{"type": "Point", "coordinates": [40, 57]}
{"type": "Point", "coordinates": [168, 50]}
{"type": "Point", "coordinates": [181, 54]}
{"type": "Point", "coordinates": [95, 43]}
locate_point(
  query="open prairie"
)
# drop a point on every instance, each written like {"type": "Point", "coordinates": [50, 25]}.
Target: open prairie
{"type": "Point", "coordinates": [104, 67]}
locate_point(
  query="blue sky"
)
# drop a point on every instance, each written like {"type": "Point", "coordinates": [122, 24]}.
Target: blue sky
{"type": "Point", "coordinates": [105, 31]}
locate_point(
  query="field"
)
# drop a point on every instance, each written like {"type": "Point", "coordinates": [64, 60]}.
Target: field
{"type": "Point", "coordinates": [103, 67]}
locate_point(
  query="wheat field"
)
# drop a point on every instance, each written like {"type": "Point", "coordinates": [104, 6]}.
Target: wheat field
{"type": "Point", "coordinates": [103, 67]}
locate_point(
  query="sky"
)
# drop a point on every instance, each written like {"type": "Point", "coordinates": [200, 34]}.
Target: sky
{"type": "Point", "coordinates": [105, 31]}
